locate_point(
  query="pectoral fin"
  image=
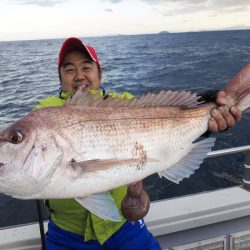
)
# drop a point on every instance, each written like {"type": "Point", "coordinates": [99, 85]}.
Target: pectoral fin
{"type": "Point", "coordinates": [76, 169]}
{"type": "Point", "coordinates": [102, 205]}
{"type": "Point", "coordinates": [188, 164]}
{"type": "Point", "coordinates": [100, 164]}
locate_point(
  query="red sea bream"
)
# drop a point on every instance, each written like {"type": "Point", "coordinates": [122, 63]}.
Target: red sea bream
{"type": "Point", "coordinates": [88, 147]}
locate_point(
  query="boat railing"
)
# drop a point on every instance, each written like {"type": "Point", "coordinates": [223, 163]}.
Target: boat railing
{"type": "Point", "coordinates": [229, 151]}
{"type": "Point", "coordinates": [246, 175]}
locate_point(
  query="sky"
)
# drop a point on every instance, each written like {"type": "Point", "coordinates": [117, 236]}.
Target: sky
{"type": "Point", "coordinates": [45, 19]}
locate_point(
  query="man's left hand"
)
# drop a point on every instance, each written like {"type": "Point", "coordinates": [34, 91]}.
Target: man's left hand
{"type": "Point", "coordinates": [222, 118]}
{"type": "Point", "coordinates": [135, 204]}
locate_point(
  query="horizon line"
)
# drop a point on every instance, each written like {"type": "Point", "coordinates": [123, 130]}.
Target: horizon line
{"type": "Point", "coordinates": [165, 32]}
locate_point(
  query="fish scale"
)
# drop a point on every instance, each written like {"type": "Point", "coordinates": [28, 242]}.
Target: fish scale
{"type": "Point", "coordinates": [108, 139]}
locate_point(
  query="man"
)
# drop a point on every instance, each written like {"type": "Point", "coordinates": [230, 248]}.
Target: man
{"type": "Point", "coordinates": [71, 225]}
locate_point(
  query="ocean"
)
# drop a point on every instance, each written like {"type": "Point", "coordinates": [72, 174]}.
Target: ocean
{"type": "Point", "coordinates": [195, 61]}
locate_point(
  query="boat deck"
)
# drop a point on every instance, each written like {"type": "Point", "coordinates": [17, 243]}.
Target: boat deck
{"type": "Point", "coordinates": [211, 220]}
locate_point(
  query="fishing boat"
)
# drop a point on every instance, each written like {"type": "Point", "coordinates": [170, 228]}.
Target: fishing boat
{"type": "Point", "coordinates": [205, 221]}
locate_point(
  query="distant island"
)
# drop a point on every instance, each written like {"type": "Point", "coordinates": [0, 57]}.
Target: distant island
{"type": "Point", "coordinates": [164, 32]}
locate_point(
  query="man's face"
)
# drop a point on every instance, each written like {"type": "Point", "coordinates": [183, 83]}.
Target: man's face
{"type": "Point", "coordinates": [77, 70]}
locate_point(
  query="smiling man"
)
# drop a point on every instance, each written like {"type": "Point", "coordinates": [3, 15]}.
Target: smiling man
{"type": "Point", "coordinates": [77, 68]}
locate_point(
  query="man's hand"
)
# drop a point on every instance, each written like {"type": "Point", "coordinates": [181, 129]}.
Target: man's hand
{"type": "Point", "coordinates": [221, 117]}
{"type": "Point", "coordinates": [135, 204]}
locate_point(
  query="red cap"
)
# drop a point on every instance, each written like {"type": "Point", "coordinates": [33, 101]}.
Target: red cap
{"type": "Point", "coordinates": [74, 43]}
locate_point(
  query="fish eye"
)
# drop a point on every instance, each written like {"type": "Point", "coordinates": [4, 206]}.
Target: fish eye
{"type": "Point", "coordinates": [16, 137]}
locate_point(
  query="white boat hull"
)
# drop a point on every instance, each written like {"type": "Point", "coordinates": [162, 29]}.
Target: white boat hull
{"type": "Point", "coordinates": [210, 220]}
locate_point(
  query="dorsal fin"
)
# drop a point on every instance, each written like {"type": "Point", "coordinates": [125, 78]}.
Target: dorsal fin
{"type": "Point", "coordinates": [182, 99]}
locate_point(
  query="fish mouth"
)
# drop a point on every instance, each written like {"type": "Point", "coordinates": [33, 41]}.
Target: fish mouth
{"type": "Point", "coordinates": [2, 164]}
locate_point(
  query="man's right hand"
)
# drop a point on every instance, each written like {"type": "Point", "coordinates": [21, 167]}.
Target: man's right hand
{"type": "Point", "coordinates": [222, 118]}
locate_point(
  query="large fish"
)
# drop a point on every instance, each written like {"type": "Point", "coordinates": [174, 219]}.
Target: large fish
{"type": "Point", "coordinates": [93, 144]}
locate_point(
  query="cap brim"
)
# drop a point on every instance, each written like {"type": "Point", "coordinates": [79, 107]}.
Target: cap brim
{"type": "Point", "coordinates": [73, 44]}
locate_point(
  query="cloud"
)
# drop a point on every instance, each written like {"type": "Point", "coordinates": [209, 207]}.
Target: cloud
{"type": "Point", "coordinates": [232, 3]}
{"type": "Point", "coordinates": [189, 6]}
{"type": "Point", "coordinates": [175, 1]}
{"type": "Point", "coordinates": [114, 1]}
{"type": "Point", "coordinates": [40, 2]}
{"type": "Point", "coordinates": [108, 10]}
{"type": "Point", "coordinates": [231, 6]}
{"type": "Point", "coordinates": [238, 27]}
{"type": "Point", "coordinates": [210, 2]}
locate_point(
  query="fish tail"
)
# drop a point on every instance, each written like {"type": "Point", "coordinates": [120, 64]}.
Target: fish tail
{"type": "Point", "coordinates": [238, 89]}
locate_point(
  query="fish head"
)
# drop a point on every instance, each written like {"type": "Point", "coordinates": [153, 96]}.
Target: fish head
{"type": "Point", "coordinates": [29, 155]}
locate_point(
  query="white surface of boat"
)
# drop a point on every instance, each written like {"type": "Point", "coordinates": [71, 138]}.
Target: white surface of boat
{"type": "Point", "coordinates": [212, 220]}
